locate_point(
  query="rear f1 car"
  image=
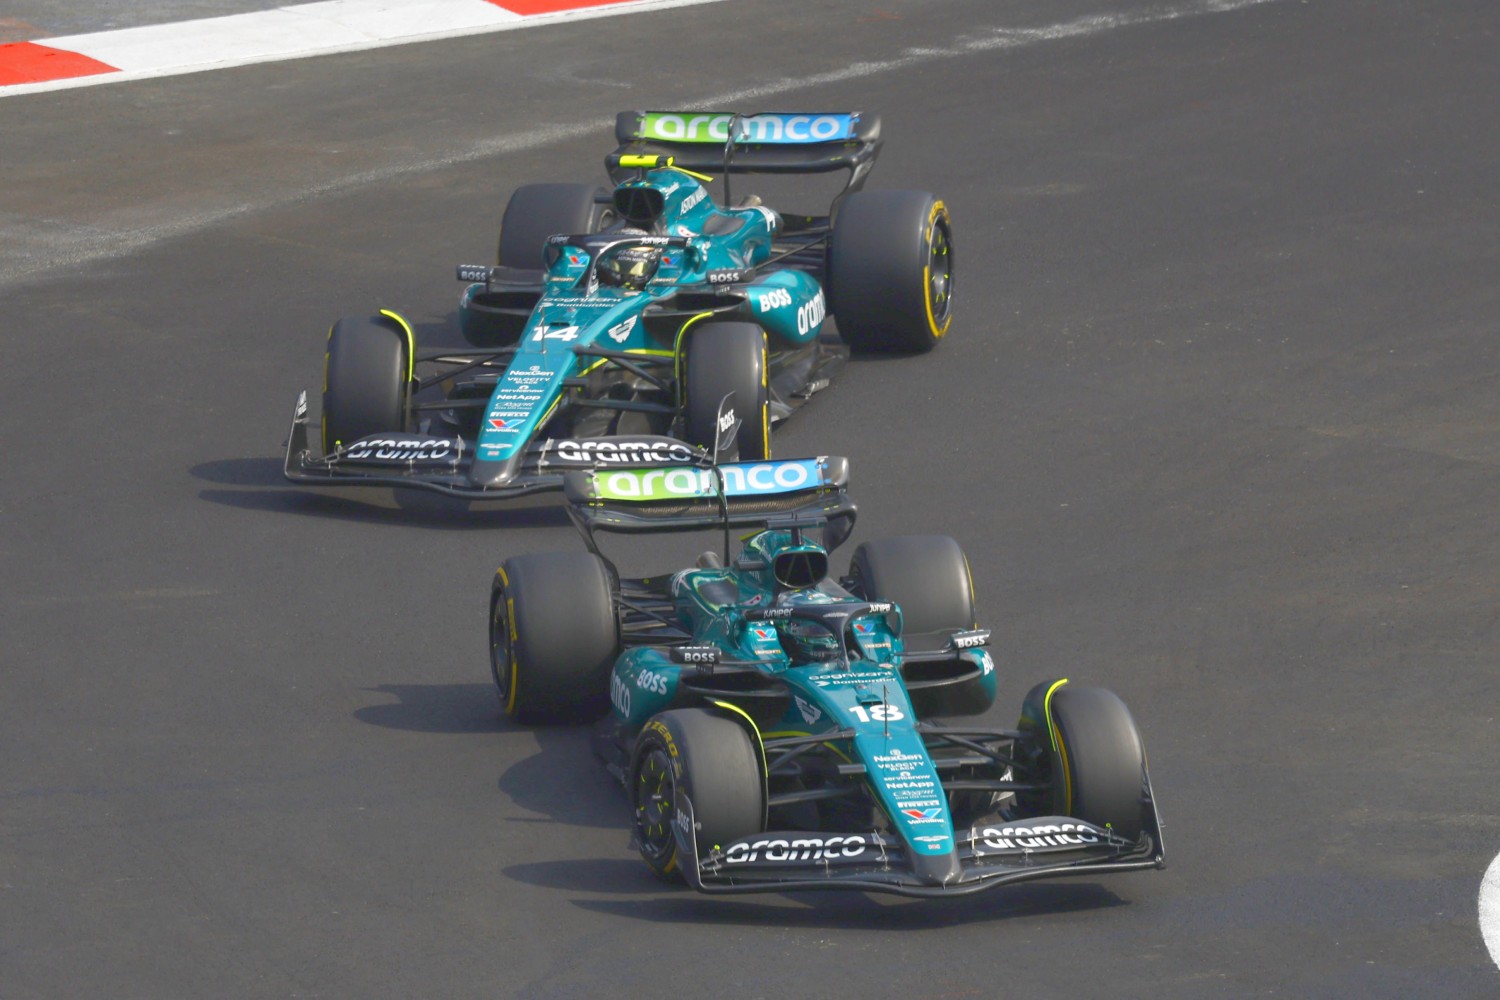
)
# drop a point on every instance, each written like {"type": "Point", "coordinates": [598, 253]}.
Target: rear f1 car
{"type": "Point", "coordinates": [778, 729]}
{"type": "Point", "coordinates": [616, 321]}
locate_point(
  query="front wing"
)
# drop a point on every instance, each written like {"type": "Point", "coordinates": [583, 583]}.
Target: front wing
{"type": "Point", "coordinates": [874, 861]}
{"type": "Point", "coordinates": [443, 465]}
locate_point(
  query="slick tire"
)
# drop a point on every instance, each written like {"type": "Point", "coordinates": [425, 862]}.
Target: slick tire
{"type": "Point", "coordinates": [554, 636]}
{"type": "Point", "coordinates": [537, 211]}
{"type": "Point", "coordinates": [725, 358]}
{"type": "Point", "coordinates": [715, 761]}
{"type": "Point", "coordinates": [1087, 742]}
{"type": "Point", "coordinates": [890, 271]}
{"type": "Point", "coordinates": [366, 379]}
{"type": "Point", "coordinates": [927, 575]}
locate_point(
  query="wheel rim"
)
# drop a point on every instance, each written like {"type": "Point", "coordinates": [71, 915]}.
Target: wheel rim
{"type": "Point", "coordinates": [655, 798]}
{"type": "Point", "coordinates": [501, 654]}
{"type": "Point", "coordinates": [940, 273]}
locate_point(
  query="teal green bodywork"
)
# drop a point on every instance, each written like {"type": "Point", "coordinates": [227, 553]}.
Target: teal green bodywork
{"type": "Point", "coordinates": [867, 695]}
{"type": "Point", "coordinates": [577, 312]}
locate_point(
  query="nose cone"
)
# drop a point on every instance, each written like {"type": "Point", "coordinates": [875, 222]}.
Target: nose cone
{"type": "Point", "coordinates": [937, 869]}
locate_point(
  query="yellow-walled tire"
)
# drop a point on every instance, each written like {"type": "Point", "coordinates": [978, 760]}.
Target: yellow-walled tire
{"type": "Point", "coordinates": [554, 636]}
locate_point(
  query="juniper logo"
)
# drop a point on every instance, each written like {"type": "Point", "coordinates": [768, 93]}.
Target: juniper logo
{"type": "Point", "coordinates": [768, 128]}
{"type": "Point", "coordinates": [685, 484]}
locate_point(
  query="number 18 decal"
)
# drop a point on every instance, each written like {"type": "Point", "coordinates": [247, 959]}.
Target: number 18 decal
{"type": "Point", "coordinates": [879, 713]}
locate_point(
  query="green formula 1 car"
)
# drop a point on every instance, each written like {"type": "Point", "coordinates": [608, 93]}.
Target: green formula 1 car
{"type": "Point", "coordinates": [777, 728]}
{"type": "Point", "coordinates": [617, 320]}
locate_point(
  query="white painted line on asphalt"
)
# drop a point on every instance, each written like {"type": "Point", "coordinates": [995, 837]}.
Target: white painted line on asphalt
{"type": "Point", "coordinates": [72, 249]}
{"type": "Point", "coordinates": [1489, 909]}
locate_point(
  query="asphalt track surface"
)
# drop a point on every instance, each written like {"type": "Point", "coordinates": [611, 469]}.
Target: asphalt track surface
{"type": "Point", "coordinates": [1216, 426]}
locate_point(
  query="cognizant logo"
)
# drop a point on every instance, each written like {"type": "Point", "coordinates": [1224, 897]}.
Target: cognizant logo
{"type": "Point", "coordinates": [768, 128]}
{"type": "Point", "coordinates": [678, 484]}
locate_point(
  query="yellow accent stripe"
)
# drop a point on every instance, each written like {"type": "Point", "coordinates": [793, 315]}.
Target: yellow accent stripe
{"type": "Point", "coordinates": [765, 411]}
{"type": "Point", "coordinates": [705, 178]}
{"type": "Point", "coordinates": [510, 619]}
{"type": "Point", "coordinates": [760, 743]}
{"type": "Point", "coordinates": [411, 342]}
{"type": "Point", "coordinates": [677, 350]}
{"type": "Point", "coordinates": [938, 208]}
{"type": "Point", "coordinates": [970, 574]}
{"type": "Point", "coordinates": [1057, 745]}
{"type": "Point", "coordinates": [634, 350]}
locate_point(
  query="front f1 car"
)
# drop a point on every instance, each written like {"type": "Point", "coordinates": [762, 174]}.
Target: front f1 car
{"type": "Point", "coordinates": [617, 321]}
{"type": "Point", "coordinates": [778, 728]}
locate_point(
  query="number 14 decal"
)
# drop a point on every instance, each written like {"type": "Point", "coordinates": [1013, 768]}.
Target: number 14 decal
{"type": "Point", "coordinates": [561, 333]}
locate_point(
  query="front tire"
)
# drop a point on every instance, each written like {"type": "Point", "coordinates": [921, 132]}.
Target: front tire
{"type": "Point", "coordinates": [366, 379]}
{"type": "Point", "coordinates": [1091, 751]}
{"type": "Point", "coordinates": [724, 358]}
{"type": "Point", "coordinates": [554, 636]}
{"type": "Point", "coordinates": [715, 762]}
{"type": "Point", "coordinates": [890, 270]}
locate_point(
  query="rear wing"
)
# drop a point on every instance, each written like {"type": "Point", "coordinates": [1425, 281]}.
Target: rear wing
{"type": "Point", "coordinates": [688, 498]}
{"type": "Point", "coordinates": [724, 142]}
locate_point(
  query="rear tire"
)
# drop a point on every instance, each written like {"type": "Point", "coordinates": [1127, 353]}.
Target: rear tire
{"type": "Point", "coordinates": [724, 358]}
{"type": "Point", "coordinates": [554, 636]}
{"type": "Point", "coordinates": [537, 211]}
{"type": "Point", "coordinates": [927, 575]}
{"type": "Point", "coordinates": [713, 760]}
{"type": "Point", "coordinates": [366, 376]}
{"type": "Point", "coordinates": [1097, 765]}
{"type": "Point", "coordinates": [890, 271]}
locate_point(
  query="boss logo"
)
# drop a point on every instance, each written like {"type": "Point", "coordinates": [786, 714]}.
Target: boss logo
{"type": "Point", "coordinates": [695, 654]}
{"type": "Point", "coordinates": [723, 277]}
{"type": "Point", "coordinates": [651, 681]}
{"type": "Point", "coordinates": [776, 298]}
{"type": "Point", "coordinates": [726, 421]}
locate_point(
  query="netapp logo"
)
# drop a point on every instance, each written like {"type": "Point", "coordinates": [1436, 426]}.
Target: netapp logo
{"type": "Point", "coordinates": [801, 849]}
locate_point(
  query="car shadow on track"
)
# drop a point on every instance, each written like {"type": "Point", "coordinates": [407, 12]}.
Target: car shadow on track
{"type": "Point", "coordinates": [857, 910]}
{"type": "Point", "coordinates": [262, 488]}
{"type": "Point", "coordinates": [459, 709]}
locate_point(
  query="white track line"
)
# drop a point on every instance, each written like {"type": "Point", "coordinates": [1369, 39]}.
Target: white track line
{"type": "Point", "coordinates": [71, 249]}
{"type": "Point", "coordinates": [1489, 909]}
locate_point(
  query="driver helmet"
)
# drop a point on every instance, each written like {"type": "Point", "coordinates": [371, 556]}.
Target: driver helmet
{"type": "Point", "coordinates": [630, 267]}
{"type": "Point", "coordinates": [808, 642]}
